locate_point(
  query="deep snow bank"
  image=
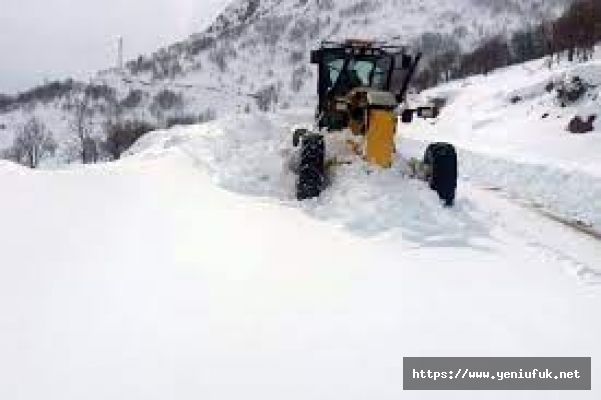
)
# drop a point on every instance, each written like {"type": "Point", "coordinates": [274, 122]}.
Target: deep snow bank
{"type": "Point", "coordinates": [511, 131]}
{"type": "Point", "coordinates": [569, 194]}
{"type": "Point", "coordinates": [142, 279]}
{"type": "Point", "coordinates": [249, 154]}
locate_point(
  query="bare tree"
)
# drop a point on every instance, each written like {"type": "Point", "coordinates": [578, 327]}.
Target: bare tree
{"type": "Point", "coordinates": [81, 125]}
{"type": "Point", "coordinates": [33, 142]}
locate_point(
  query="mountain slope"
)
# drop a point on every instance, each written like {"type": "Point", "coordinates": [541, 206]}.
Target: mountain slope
{"type": "Point", "coordinates": [255, 56]}
{"type": "Point", "coordinates": [255, 46]}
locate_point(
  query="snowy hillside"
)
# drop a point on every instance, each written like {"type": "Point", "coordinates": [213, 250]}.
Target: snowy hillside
{"type": "Point", "coordinates": [255, 56]}
{"type": "Point", "coordinates": [515, 121]}
{"type": "Point", "coordinates": [262, 47]}
{"type": "Point", "coordinates": [184, 271]}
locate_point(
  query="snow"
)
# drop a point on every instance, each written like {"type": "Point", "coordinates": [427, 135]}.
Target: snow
{"type": "Point", "coordinates": [481, 116]}
{"type": "Point", "coordinates": [271, 48]}
{"type": "Point", "coordinates": [186, 270]}
{"type": "Point", "coordinates": [512, 147]}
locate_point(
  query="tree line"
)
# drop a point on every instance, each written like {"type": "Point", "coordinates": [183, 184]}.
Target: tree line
{"type": "Point", "coordinates": [573, 36]}
{"type": "Point", "coordinates": [99, 131]}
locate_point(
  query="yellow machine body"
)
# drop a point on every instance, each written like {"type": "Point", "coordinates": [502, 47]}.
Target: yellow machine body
{"type": "Point", "coordinates": [372, 120]}
{"type": "Point", "coordinates": [379, 137]}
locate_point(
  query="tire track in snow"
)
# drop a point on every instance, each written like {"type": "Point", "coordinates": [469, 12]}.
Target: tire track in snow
{"type": "Point", "coordinates": [552, 238]}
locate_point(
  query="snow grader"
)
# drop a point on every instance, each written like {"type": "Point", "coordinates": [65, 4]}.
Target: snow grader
{"type": "Point", "coordinates": [362, 89]}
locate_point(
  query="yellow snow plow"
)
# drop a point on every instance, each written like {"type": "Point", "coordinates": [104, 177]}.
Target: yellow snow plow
{"type": "Point", "coordinates": [362, 87]}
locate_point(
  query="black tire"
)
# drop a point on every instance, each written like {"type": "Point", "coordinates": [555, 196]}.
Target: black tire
{"type": "Point", "coordinates": [441, 161]}
{"type": "Point", "coordinates": [311, 173]}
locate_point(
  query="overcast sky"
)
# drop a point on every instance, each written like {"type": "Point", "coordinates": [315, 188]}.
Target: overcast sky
{"type": "Point", "coordinates": [50, 39]}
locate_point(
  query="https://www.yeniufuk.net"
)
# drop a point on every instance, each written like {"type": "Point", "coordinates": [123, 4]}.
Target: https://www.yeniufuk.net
{"type": "Point", "coordinates": [521, 374]}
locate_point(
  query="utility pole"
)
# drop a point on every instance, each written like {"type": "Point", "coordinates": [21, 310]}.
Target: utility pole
{"type": "Point", "coordinates": [120, 53]}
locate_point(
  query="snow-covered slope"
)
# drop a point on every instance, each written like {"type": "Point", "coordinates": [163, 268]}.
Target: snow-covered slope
{"type": "Point", "coordinates": [183, 271]}
{"type": "Point", "coordinates": [512, 129]}
{"type": "Point", "coordinates": [262, 46]}
{"type": "Point", "coordinates": [256, 55]}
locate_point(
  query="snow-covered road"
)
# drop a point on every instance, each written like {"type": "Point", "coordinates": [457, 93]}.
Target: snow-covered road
{"type": "Point", "coordinates": [511, 129]}
{"type": "Point", "coordinates": [185, 272]}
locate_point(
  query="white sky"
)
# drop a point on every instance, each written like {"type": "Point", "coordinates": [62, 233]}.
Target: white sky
{"type": "Point", "coordinates": [51, 39]}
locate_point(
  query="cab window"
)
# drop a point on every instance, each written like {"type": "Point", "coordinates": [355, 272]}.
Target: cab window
{"type": "Point", "coordinates": [334, 68]}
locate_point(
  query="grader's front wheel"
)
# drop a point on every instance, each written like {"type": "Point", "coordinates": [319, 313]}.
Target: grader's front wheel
{"type": "Point", "coordinates": [311, 172]}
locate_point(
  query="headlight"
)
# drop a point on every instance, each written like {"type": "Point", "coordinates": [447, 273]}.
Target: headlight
{"type": "Point", "coordinates": [340, 106]}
